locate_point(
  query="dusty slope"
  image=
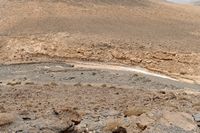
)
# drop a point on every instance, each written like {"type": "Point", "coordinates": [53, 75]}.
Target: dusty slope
{"type": "Point", "coordinates": [156, 35]}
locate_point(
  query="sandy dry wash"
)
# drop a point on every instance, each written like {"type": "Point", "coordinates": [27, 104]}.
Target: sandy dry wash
{"type": "Point", "coordinates": [159, 36]}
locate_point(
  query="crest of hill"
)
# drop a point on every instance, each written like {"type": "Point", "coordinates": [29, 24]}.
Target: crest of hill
{"type": "Point", "coordinates": [103, 2]}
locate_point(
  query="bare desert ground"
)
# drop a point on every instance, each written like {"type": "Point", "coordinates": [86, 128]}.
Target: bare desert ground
{"type": "Point", "coordinates": [42, 90]}
{"type": "Point", "coordinates": [159, 36]}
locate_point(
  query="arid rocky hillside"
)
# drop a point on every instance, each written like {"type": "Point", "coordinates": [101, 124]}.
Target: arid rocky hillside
{"type": "Point", "coordinates": [42, 90]}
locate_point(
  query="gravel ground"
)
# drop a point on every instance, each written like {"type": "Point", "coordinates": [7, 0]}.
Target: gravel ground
{"type": "Point", "coordinates": [63, 98]}
{"type": "Point", "coordinates": [88, 73]}
{"type": "Point", "coordinates": [77, 108]}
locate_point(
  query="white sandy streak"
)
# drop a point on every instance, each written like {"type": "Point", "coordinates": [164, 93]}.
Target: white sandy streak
{"type": "Point", "coordinates": [120, 68]}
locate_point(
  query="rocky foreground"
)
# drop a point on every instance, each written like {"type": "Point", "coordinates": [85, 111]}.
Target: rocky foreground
{"type": "Point", "coordinates": [53, 108]}
{"type": "Point", "coordinates": [56, 97]}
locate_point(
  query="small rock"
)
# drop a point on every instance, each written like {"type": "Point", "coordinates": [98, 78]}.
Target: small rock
{"type": "Point", "coordinates": [120, 130]}
{"type": "Point", "coordinates": [6, 118]}
{"type": "Point", "coordinates": [111, 113]}
{"type": "Point", "coordinates": [94, 73]}
{"type": "Point", "coordinates": [103, 85]}
{"type": "Point", "coordinates": [183, 73]}
{"type": "Point", "coordinates": [178, 119]}
{"type": "Point", "coordinates": [27, 116]}
{"type": "Point", "coordinates": [145, 120]}
{"type": "Point", "coordinates": [13, 83]}
{"type": "Point", "coordinates": [61, 120]}
{"type": "Point", "coordinates": [66, 114]}
{"type": "Point", "coordinates": [197, 117]}
{"type": "Point", "coordinates": [158, 128]}
{"type": "Point", "coordinates": [135, 111]}
{"type": "Point", "coordinates": [140, 126]}
{"type": "Point", "coordinates": [135, 60]}
{"type": "Point", "coordinates": [29, 83]}
{"type": "Point", "coordinates": [69, 129]}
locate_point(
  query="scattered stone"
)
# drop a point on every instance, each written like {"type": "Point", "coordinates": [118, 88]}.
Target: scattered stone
{"type": "Point", "coordinates": [159, 128]}
{"type": "Point", "coordinates": [136, 111]}
{"type": "Point", "coordinates": [53, 84]}
{"type": "Point", "coordinates": [94, 73]}
{"type": "Point", "coordinates": [120, 130]}
{"type": "Point", "coordinates": [2, 109]}
{"type": "Point", "coordinates": [69, 129]}
{"type": "Point", "coordinates": [26, 118]}
{"type": "Point", "coordinates": [162, 92]}
{"type": "Point", "coordinates": [103, 85]}
{"type": "Point", "coordinates": [29, 83]}
{"type": "Point", "coordinates": [135, 75]}
{"type": "Point", "coordinates": [61, 120]}
{"type": "Point", "coordinates": [146, 119]}
{"type": "Point", "coordinates": [89, 85]}
{"type": "Point", "coordinates": [111, 113]}
{"type": "Point", "coordinates": [113, 87]}
{"type": "Point", "coordinates": [54, 123]}
{"type": "Point", "coordinates": [141, 127]}
{"type": "Point", "coordinates": [178, 119]}
{"type": "Point", "coordinates": [135, 60]}
{"type": "Point", "coordinates": [78, 84]}
{"type": "Point", "coordinates": [197, 117]}
{"type": "Point", "coordinates": [117, 93]}
{"type": "Point", "coordinates": [112, 124]}
{"type": "Point", "coordinates": [183, 73]}
{"type": "Point", "coordinates": [6, 118]}
{"type": "Point", "coordinates": [13, 83]}
{"type": "Point", "coordinates": [148, 61]}
{"type": "Point", "coordinates": [68, 114]}
{"type": "Point", "coordinates": [69, 78]}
